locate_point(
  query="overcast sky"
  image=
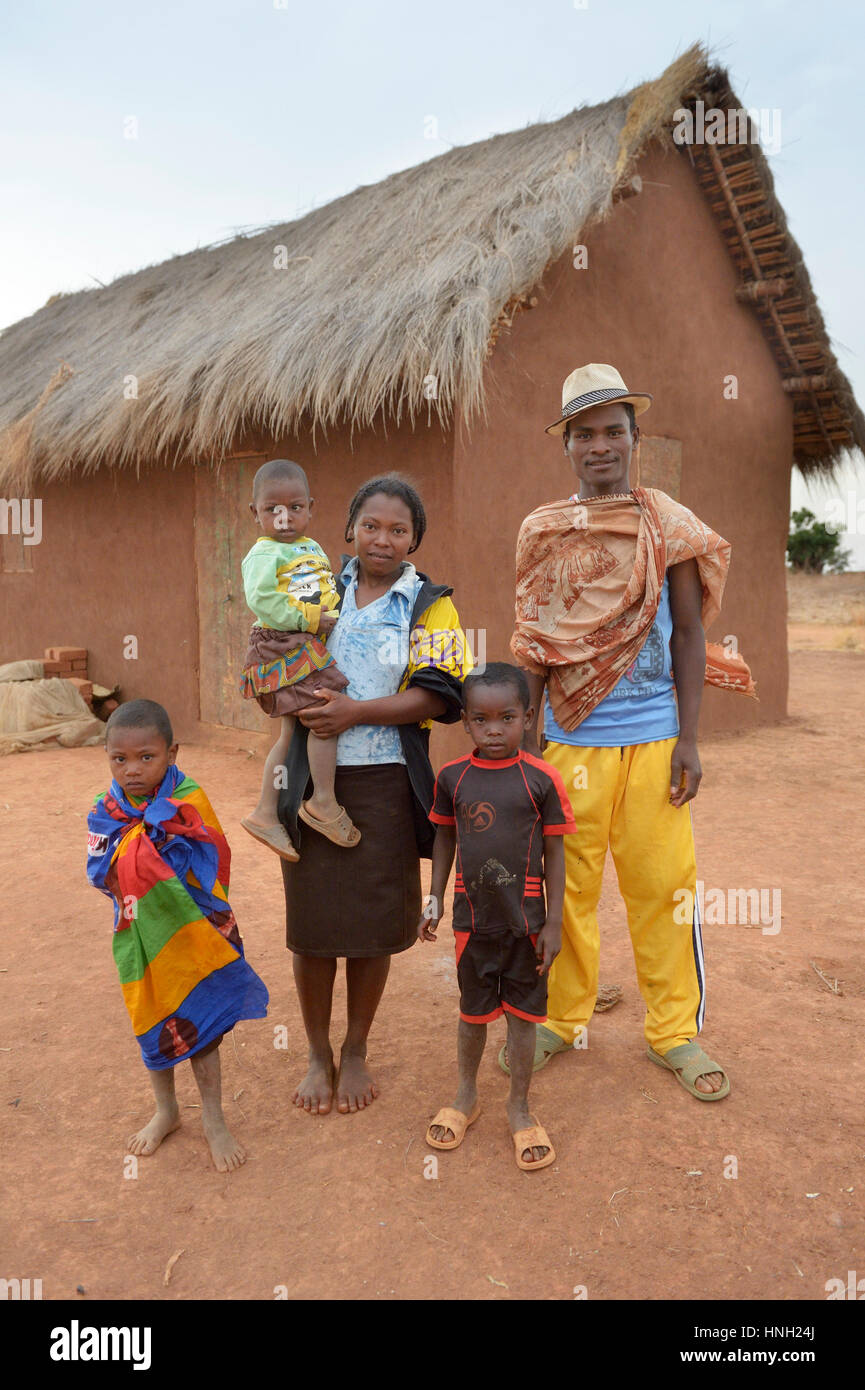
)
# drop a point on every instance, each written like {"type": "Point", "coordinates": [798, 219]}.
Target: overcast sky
{"type": "Point", "coordinates": [246, 112]}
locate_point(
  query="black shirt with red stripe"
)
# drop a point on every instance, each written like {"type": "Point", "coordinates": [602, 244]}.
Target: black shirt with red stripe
{"type": "Point", "coordinates": [502, 808]}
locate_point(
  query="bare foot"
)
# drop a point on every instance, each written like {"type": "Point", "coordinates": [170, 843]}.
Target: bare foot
{"type": "Point", "coordinates": [519, 1118]}
{"type": "Point", "coordinates": [355, 1088]}
{"type": "Point", "coordinates": [225, 1151]}
{"type": "Point", "coordinates": [148, 1139]}
{"type": "Point", "coordinates": [315, 1092]}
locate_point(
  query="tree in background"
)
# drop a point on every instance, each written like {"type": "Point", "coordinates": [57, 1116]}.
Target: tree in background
{"type": "Point", "coordinates": [812, 546]}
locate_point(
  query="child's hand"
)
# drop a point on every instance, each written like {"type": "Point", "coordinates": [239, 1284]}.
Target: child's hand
{"type": "Point", "coordinates": [428, 924]}
{"type": "Point", "coordinates": [326, 623]}
{"type": "Point", "coordinates": [548, 945]}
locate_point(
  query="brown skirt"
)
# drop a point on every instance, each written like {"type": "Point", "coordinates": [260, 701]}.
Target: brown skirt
{"type": "Point", "coordinates": [364, 901]}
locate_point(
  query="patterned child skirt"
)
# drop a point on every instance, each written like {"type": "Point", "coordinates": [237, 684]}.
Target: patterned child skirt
{"type": "Point", "coordinates": [283, 671]}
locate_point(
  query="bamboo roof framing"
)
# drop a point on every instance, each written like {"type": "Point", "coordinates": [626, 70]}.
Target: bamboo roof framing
{"type": "Point", "coordinates": [738, 184]}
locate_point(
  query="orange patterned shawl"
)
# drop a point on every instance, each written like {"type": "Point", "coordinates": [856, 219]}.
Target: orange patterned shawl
{"type": "Point", "coordinates": [589, 579]}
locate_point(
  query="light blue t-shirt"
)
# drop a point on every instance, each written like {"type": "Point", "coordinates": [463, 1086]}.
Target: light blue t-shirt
{"type": "Point", "coordinates": [641, 707]}
{"type": "Point", "coordinates": [371, 647]}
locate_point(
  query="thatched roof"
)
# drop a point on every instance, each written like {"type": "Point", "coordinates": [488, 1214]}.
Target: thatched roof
{"type": "Point", "coordinates": [395, 282]}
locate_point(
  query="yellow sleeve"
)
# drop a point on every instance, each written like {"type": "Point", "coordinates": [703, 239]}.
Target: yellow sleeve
{"type": "Point", "coordinates": [437, 639]}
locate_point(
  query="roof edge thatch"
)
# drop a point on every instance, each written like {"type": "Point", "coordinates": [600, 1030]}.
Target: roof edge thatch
{"type": "Point", "coordinates": [346, 316]}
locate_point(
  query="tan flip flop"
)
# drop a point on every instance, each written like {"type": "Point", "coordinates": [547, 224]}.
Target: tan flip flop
{"type": "Point", "coordinates": [275, 837]}
{"type": "Point", "coordinates": [454, 1120]}
{"type": "Point", "coordinates": [535, 1137]}
{"type": "Point", "coordinates": [341, 830]}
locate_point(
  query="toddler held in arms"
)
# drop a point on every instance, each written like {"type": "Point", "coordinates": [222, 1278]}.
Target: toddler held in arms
{"type": "Point", "coordinates": [290, 589]}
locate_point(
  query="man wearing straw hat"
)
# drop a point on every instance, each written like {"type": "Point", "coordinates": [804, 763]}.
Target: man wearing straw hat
{"type": "Point", "coordinates": [614, 587]}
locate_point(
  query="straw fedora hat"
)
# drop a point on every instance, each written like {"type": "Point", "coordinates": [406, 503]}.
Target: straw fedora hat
{"type": "Point", "coordinates": [595, 384]}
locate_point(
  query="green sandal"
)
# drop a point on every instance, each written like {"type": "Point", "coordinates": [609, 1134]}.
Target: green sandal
{"type": "Point", "coordinates": [547, 1044]}
{"type": "Point", "coordinates": [693, 1062]}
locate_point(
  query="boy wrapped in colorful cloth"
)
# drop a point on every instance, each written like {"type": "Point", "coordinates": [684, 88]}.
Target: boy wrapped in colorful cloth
{"type": "Point", "coordinates": [156, 848]}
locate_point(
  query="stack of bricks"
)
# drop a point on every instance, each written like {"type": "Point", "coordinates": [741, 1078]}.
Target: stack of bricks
{"type": "Point", "coordinates": [70, 663]}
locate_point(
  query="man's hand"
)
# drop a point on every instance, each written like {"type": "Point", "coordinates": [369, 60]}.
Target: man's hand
{"type": "Point", "coordinates": [685, 772]}
{"type": "Point", "coordinates": [338, 712]}
{"type": "Point", "coordinates": [326, 623]}
{"type": "Point", "coordinates": [548, 945]}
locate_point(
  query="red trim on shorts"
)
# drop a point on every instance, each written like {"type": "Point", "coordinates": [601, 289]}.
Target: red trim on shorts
{"type": "Point", "coordinates": [530, 1018]}
{"type": "Point", "coordinates": [461, 940]}
{"type": "Point", "coordinates": [487, 1018]}
{"type": "Point", "coordinates": [438, 819]}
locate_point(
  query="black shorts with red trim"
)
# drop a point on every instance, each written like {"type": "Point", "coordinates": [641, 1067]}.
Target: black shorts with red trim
{"type": "Point", "coordinates": [498, 973]}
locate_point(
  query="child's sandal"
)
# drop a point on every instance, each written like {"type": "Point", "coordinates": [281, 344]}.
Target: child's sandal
{"type": "Point", "coordinates": [341, 830]}
{"type": "Point", "coordinates": [275, 837]}
{"type": "Point", "coordinates": [535, 1137]}
{"type": "Point", "coordinates": [456, 1122]}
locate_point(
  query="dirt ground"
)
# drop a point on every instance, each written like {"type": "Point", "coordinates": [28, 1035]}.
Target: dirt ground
{"type": "Point", "coordinates": [826, 612]}
{"type": "Point", "coordinates": [642, 1203]}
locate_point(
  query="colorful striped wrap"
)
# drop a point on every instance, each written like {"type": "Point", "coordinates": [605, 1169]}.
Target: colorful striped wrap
{"type": "Point", "coordinates": [165, 864]}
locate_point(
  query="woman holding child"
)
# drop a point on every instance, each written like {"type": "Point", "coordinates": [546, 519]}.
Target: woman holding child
{"type": "Point", "coordinates": [400, 645]}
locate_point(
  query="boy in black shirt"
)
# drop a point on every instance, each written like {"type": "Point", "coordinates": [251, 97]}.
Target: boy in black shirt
{"type": "Point", "coordinates": [503, 812]}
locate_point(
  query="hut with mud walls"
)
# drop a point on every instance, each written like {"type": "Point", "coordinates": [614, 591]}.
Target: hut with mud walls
{"type": "Point", "coordinates": [424, 323]}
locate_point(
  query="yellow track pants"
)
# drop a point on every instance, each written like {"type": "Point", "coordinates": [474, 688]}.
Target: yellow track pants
{"type": "Point", "coordinates": [620, 798]}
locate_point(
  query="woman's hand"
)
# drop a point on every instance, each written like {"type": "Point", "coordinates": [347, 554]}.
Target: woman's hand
{"type": "Point", "coordinates": [337, 713]}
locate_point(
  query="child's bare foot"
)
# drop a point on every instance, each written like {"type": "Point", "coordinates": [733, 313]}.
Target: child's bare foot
{"type": "Point", "coordinates": [315, 1092]}
{"type": "Point", "coordinates": [355, 1088]}
{"type": "Point", "coordinates": [225, 1151]}
{"type": "Point", "coordinates": [148, 1139]}
{"type": "Point", "coordinates": [519, 1118]}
